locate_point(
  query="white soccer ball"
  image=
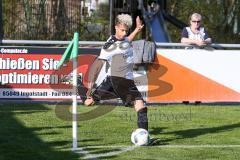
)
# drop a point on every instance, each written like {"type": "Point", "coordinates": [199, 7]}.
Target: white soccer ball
{"type": "Point", "coordinates": [140, 137]}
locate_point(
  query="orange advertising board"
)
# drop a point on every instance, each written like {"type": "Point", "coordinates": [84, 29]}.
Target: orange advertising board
{"type": "Point", "coordinates": [194, 75]}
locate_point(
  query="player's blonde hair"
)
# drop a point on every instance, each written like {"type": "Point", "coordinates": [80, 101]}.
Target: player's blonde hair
{"type": "Point", "coordinates": [125, 19]}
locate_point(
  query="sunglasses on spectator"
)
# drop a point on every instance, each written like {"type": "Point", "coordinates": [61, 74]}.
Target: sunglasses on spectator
{"type": "Point", "coordinates": [196, 21]}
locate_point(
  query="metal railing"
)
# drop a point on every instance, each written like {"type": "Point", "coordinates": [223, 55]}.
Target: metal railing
{"type": "Point", "coordinates": [100, 43]}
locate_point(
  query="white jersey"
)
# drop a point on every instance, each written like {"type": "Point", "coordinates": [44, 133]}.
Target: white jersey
{"type": "Point", "coordinates": [196, 36]}
{"type": "Point", "coordinates": [119, 57]}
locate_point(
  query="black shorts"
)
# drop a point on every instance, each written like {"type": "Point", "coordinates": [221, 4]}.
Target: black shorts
{"type": "Point", "coordinates": [117, 87]}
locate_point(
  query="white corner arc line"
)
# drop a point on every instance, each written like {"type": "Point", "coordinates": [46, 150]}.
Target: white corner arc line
{"type": "Point", "coordinates": [88, 155]}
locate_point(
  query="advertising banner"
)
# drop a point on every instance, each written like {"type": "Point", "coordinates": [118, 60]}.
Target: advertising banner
{"type": "Point", "coordinates": [32, 73]}
{"type": "Point", "coordinates": [177, 75]}
{"type": "Point", "coordinates": [193, 75]}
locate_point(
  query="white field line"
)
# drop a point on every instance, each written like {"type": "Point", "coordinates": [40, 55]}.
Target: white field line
{"type": "Point", "coordinates": [82, 152]}
{"type": "Point", "coordinates": [125, 148]}
{"type": "Point", "coordinates": [88, 155]}
{"type": "Point", "coordinates": [197, 146]}
{"type": "Point", "coordinates": [169, 146]}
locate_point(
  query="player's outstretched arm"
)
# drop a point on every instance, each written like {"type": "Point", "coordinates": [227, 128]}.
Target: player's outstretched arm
{"type": "Point", "coordinates": [138, 29]}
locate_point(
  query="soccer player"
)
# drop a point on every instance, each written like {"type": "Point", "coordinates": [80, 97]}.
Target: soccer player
{"type": "Point", "coordinates": [116, 61]}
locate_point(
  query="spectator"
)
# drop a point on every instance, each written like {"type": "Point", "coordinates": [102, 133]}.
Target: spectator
{"type": "Point", "coordinates": [195, 34]}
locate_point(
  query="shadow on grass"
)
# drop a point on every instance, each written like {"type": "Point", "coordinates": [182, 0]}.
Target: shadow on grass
{"type": "Point", "coordinates": [155, 131]}
{"type": "Point", "coordinates": [192, 133]}
{"type": "Point", "coordinates": [189, 133]}
{"type": "Point", "coordinates": [158, 141]}
{"type": "Point", "coordinates": [18, 142]}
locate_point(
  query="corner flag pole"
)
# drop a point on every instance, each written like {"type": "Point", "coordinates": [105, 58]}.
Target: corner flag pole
{"type": "Point", "coordinates": [71, 54]}
{"type": "Point", "coordinates": [74, 93]}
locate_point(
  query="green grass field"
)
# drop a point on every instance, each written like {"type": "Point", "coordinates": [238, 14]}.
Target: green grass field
{"type": "Point", "coordinates": [181, 132]}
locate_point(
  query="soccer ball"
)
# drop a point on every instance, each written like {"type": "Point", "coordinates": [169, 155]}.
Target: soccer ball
{"type": "Point", "coordinates": [140, 137]}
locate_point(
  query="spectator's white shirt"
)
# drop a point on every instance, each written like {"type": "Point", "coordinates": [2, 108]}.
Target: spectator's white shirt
{"type": "Point", "coordinates": [196, 36]}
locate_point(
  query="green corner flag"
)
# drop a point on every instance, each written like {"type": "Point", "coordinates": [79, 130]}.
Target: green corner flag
{"type": "Point", "coordinates": [71, 52]}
